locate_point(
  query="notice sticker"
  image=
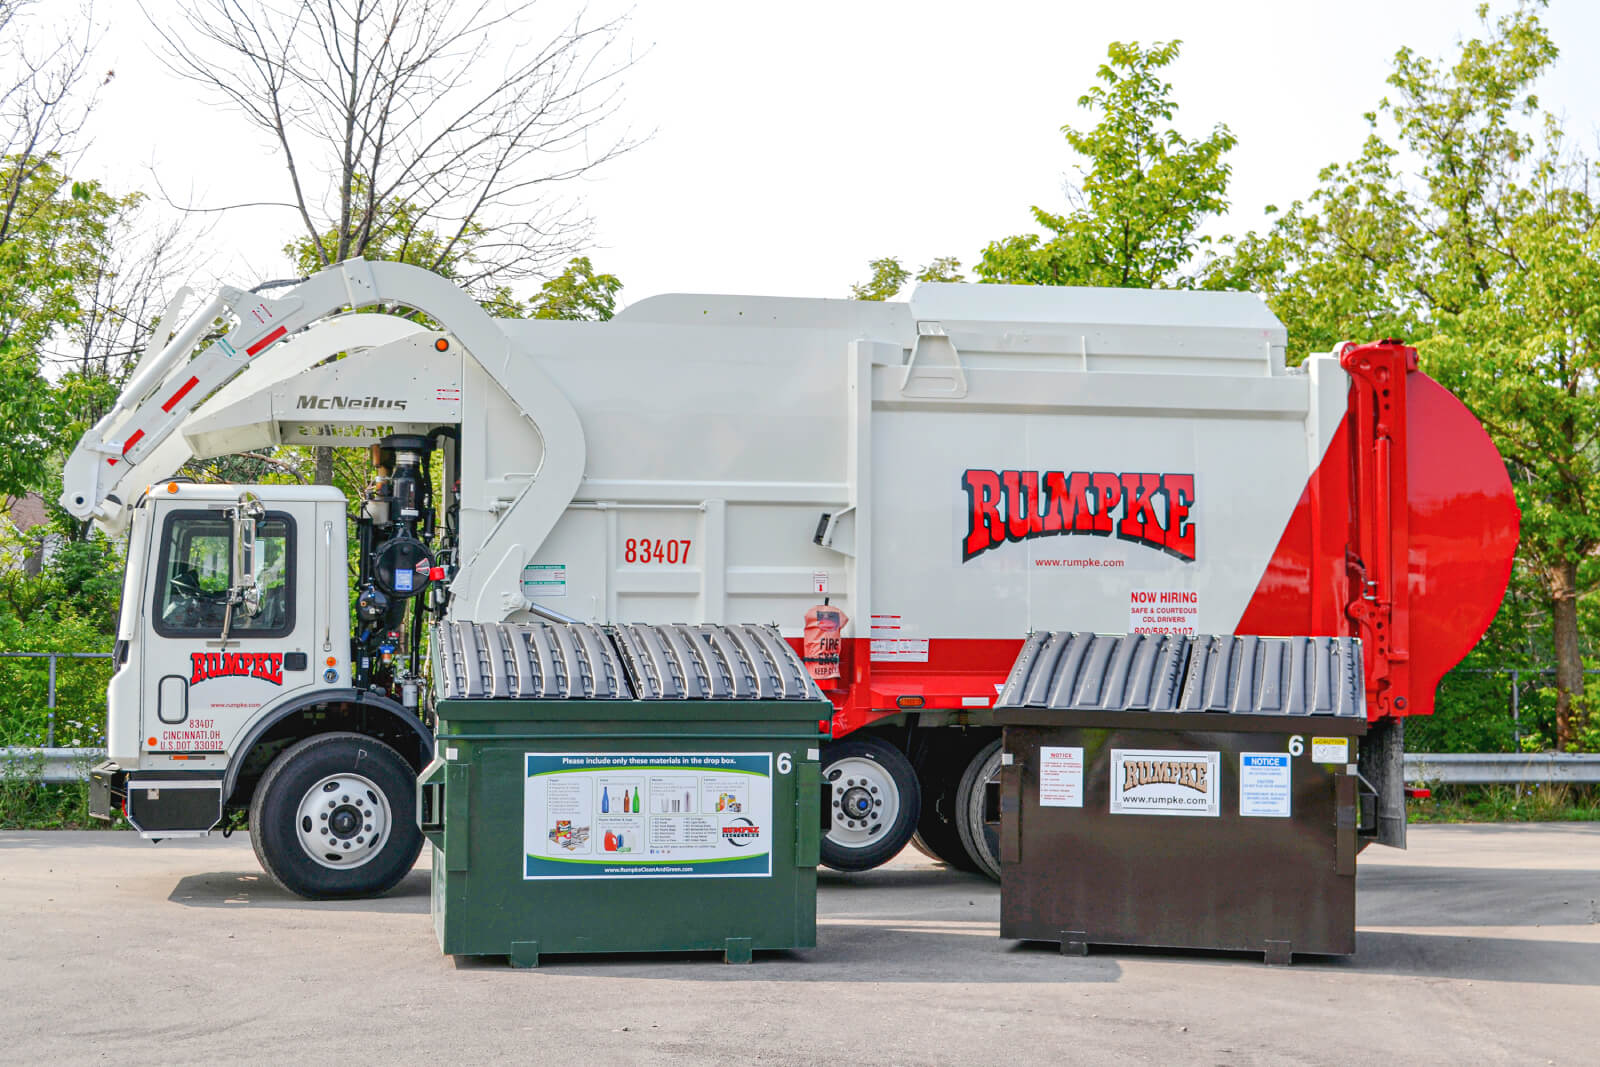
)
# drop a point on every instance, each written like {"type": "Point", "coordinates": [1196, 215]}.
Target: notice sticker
{"type": "Point", "coordinates": [1264, 784]}
{"type": "Point", "coordinates": [1330, 750]}
{"type": "Point", "coordinates": [1060, 777]}
{"type": "Point", "coordinates": [819, 582]}
{"type": "Point", "coordinates": [544, 579]}
{"type": "Point", "coordinates": [1164, 782]}
{"type": "Point", "coordinates": [1163, 611]}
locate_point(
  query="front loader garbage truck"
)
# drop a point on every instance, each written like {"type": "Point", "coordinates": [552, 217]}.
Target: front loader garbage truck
{"type": "Point", "coordinates": [904, 490]}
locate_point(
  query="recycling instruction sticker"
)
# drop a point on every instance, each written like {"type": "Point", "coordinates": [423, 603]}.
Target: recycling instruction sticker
{"type": "Point", "coordinates": [647, 815]}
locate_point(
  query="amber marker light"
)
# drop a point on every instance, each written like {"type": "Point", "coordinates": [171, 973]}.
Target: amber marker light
{"type": "Point", "coordinates": [333, 661]}
{"type": "Point", "coordinates": [172, 487]}
{"type": "Point", "coordinates": [908, 702]}
{"type": "Point", "coordinates": [442, 344]}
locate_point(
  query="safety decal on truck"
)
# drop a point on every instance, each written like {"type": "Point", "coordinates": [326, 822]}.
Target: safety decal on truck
{"type": "Point", "coordinates": [544, 579]}
{"type": "Point", "coordinates": [647, 815]}
{"type": "Point", "coordinates": [1164, 782]}
{"type": "Point", "coordinates": [888, 643]}
{"type": "Point", "coordinates": [1147, 509]}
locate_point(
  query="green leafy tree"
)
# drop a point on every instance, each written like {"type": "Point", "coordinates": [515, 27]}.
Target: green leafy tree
{"type": "Point", "coordinates": [1135, 216]}
{"type": "Point", "coordinates": [1470, 226]}
{"type": "Point", "coordinates": [577, 293]}
{"type": "Point", "coordinates": [889, 276]}
{"type": "Point", "coordinates": [52, 235]}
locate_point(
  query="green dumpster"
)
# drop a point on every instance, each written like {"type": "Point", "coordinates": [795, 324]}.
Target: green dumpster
{"type": "Point", "coordinates": [622, 789]}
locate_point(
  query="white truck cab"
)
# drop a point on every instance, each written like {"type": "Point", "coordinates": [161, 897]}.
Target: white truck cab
{"type": "Point", "coordinates": [234, 632]}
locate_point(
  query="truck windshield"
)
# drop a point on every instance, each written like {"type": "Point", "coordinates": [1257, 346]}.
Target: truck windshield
{"type": "Point", "coordinates": [193, 579]}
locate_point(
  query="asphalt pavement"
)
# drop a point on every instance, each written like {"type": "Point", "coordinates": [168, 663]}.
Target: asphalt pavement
{"type": "Point", "coordinates": [1480, 944]}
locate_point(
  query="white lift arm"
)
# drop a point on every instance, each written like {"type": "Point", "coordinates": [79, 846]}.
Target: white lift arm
{"type": "Point", "coordinates": [167, 387]}
{"type": "Point", "coordinates": [121, 454]}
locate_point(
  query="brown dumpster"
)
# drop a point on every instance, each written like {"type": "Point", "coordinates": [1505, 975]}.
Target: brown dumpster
{"type": "Point", "coordinates": [1181, 792]}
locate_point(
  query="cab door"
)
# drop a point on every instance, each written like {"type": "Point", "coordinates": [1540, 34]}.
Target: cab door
{"type": "Point", "coordinates": [200, 690]}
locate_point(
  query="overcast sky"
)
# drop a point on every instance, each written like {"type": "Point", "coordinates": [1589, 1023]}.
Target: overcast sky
{"type": "Point", "coordinates": [794, 142]}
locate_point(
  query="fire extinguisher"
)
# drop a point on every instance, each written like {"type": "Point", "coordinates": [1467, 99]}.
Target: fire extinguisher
{"type": "Point", "coordinates": [822, 641]}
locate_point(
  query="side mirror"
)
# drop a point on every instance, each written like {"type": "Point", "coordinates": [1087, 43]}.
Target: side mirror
{"type": "Point", "coordinates": [245, 592]}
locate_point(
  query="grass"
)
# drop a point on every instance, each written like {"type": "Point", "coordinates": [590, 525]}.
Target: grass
{"type": "Point", "coordinates": [1507, 803]}
{"type": "Point", "coordinates": [28, 805]}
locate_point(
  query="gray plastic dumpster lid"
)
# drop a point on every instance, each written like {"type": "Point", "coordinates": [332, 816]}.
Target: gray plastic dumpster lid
{"type": "Point", "coordinates": [527, 661]}
{"type": "Point", "coordinates": [580, 661]}
{"type": "Point", "coordinates": [1216, 673]}
{"type": "Point", "coordinates": [743, 662]}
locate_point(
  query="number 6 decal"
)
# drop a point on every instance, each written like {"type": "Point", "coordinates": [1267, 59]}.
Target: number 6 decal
{"type": "Point", "coordinates": [785, 765]}
{"type": "Point", "coordinates": [1297, 745]}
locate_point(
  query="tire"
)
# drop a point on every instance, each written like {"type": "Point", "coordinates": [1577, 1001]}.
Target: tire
{"type": "Point", "coordinates": [872, 775]}
{"type": "Point", "coordinates": [365, 836]}
{"type": "Point", "coordinates": [978, 811]}
{"type": "Point", "coordinates": [939, 772]}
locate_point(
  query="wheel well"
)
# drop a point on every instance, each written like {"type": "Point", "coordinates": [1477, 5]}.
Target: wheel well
{"type": "Point", "coordinates": [327, 718]}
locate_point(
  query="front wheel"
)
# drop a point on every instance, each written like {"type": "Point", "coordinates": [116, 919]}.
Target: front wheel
{"type": "Point", "coordinates": [334, 817]}
{"type": "Point", "coordinates": [873, 797]}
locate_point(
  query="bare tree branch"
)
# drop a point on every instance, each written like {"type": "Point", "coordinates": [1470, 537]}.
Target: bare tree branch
{"type": "Point", "coordinates": [440, 133]}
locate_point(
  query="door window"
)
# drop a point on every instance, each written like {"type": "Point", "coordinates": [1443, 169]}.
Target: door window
{"type": "Point", "coordinates": [193, 578]}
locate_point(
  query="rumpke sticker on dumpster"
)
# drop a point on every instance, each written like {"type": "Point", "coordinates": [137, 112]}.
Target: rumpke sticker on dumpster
{"type": "Point", "coordinates": [1164, 782]}
{"type": "Point", "coordinates": [647, 815]}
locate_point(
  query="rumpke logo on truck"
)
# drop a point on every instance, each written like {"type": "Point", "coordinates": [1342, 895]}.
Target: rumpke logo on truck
{"type": "Point", "coordinates": [268, 666]}
{"type": "Point", "coordinates": [1152, 510]}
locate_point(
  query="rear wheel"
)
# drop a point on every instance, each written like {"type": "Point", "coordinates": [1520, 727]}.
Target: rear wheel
{"type": "Point", "coordinates": [939, 768]}
{"type": "Point", "coordinates": [874, 799]}
{"type": "Point", "coordinates": [334, 816]}
{"type": "Point", "coordinates": [978, 809]}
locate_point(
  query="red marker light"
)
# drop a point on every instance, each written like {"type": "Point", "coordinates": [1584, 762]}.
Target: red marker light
{"type": "Point", "coordinates": [436, 574]}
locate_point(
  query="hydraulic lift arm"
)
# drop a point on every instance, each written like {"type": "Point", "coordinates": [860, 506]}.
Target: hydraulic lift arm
{"type": "Point", "coordinates": [135, 443]}
{"type": "Point", "coordinates": [168, 386]}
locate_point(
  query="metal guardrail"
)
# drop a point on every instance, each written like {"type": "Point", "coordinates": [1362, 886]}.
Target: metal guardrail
{"type": "Point", "coordinates": [50, 721]}
{"type": "Point", "coordinates": [50, 766]}
{"type": "Point", "coordinates": [60, 765]}
{"type": "Point", "coordinates": [1554, 768]}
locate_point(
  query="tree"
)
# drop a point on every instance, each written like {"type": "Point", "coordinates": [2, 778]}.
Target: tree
{"type": "Point", "coordinates": [1134, 218]}
{"type": "Point", "coordinates": [889, 277]}
{"type": "Point", "coordinates": [53, 235]}
{"type": "Point", "coordinates": [1469, 225]}
{"type": "Point", "coordinates": [578, 293]}
{"type": "Point", "coordinates": [395, 140]}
